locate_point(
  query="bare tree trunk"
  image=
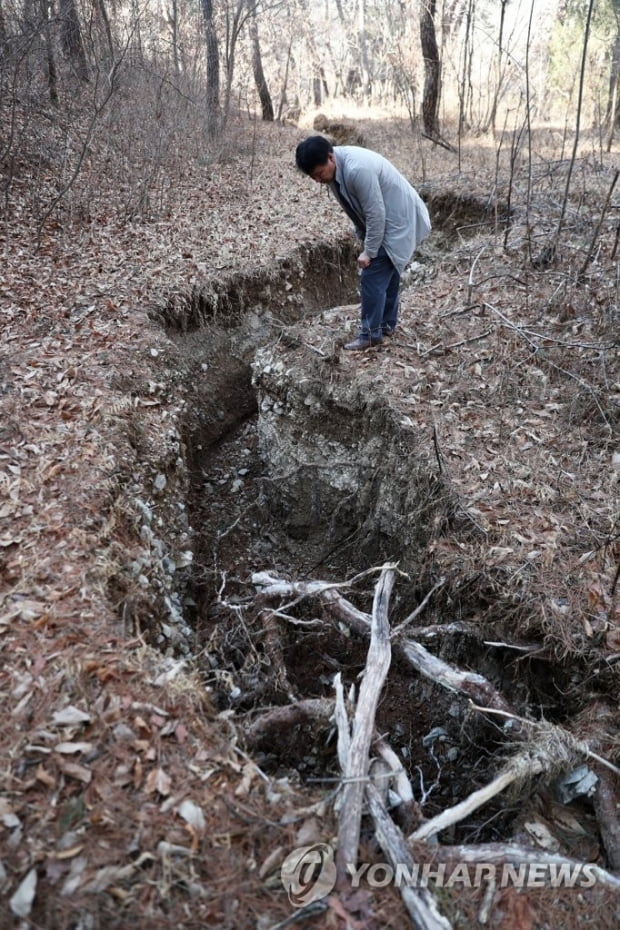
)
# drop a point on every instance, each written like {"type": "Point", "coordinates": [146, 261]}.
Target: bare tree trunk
{"type": "Point", "coordinates": [213, 70]}
{"type": "Point", "coordinates": [52, 72]}
{"type": "Point", "coordinates": [366, 84]}
{"type": "Point", "coordinates": [612, 116]}
{"type": "Point", "coordinates": [173, 22]}
{"type": "Point", "coordinates": [233, 29]}
{"type": "Point", "coordinates": [285, 81]}
{"type": "Point", "coordinates": [105, 19]}
{"type": "Point", "coordinates": [582, 73]}
{"type": "Point", "coordinates": [3, 33]}
{"type": "Point", "coordinates": [71, 38]}
{"type": "Point", "coordinates": [465, 82]}
{"type": "Point", "coordinates": [319, 82]}
{"type": "Point", "coordinates": [500, 76]}
{"type": "Point", "coordinates": [257, 68]}
{"type": "Point", "coordinates": [432, 69]}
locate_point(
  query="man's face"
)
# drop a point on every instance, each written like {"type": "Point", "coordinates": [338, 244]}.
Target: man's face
{"type": "Point", "coordinates": [323, 174]}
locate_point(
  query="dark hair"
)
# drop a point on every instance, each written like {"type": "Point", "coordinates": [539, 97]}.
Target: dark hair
{"type": "Point", "coordinates": [312, 152]}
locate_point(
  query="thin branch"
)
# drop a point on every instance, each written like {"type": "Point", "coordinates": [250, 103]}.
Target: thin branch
{"type": "Point", "coordinates": [377, 666]}
{"type": "Point", "coordinates": [415, 613]}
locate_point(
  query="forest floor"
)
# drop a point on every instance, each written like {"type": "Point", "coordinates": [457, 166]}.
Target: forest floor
{"type": "Point", "coordinates": [131, 795]}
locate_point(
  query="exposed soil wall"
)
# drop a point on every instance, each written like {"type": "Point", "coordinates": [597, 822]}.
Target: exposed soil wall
{"type": "Point", "coordinates": [306, 461]}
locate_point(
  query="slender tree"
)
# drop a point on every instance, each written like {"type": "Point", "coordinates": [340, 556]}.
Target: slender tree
{"type": "Point", "coordinates": [257, 66]}
{"type": "Point", "coordinates": [71, 38]}
{"type": "Point", "coordinates": [3, 32]}
{"type": "Point", "coordinates": [173, 21]}
{"type": "Point", "coordinates": [432, 69]}
{"type": "Point", "coordinates": [500, 75]}
{"type": "Point", "coordinates": [213, 70]}
{"type": "Point", "coordinates": [102, 14]}
{"type": "Point", "coordinates": [319, 81]}
{"type": "Point", "coordinates": [612, 116]}
{"type": "Point", "coordinates": [52, 71]}
{"type": "Point", "coordinates": [582, 72]}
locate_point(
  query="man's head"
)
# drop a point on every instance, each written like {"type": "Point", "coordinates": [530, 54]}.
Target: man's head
{"type": "Point", "coordinates": [315, 157]}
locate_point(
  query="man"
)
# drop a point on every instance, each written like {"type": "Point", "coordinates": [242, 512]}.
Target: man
{"type": "Point", "coordinates": [389, 217]}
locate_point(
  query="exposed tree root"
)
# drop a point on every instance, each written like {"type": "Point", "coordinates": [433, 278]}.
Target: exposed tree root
{"type": "Point", "coordinates": [544, 750]}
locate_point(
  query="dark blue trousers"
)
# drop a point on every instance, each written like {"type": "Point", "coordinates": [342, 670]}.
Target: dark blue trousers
{"type": "Point", "coordinates": [379, 285]}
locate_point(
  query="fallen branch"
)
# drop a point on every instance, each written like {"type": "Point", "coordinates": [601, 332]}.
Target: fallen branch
{"type": "Point", "coordinates": [342, 724]}
{"type": "Point", "coordinates": [375, 673]}
{"type": "Point", "coordinates": [513, 854]}
{"type": "Point", "coordinates": [437, 140]}
{"type": "Point", "coordinates": [474, 686]}
{"type": "Point", "coordinates": [523, 765]}
{"type": "Point", "coordinates": [407, 813]}
{"type": "Point", "coordinates": [290, 715]}
{"type": "Point", "coordinates": [420, 903]}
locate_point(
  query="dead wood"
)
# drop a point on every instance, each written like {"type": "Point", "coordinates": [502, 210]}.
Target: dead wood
{"type": "Point", "coordinates": [513, 854]}
{"type": "Point", "coordinates": [375, 673]}
{"type": "Point", "coordinates": [521, 766]}
{"type": "Point", "coordinates": [420, 903]}
{"type": "Point", "coordinates": [402, 784]}
{"type": "Point", "coordinates": [284, 718]}
{"type": "Point", "coordinates": [547, 748]}
{"type": "Point", "coordinates": [342, 724]}
{"type": "Point", "coordinates": [472, 685]}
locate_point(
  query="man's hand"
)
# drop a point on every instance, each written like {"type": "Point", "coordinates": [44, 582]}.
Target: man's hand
{"type": "Point", "coordinates": [363, 260]}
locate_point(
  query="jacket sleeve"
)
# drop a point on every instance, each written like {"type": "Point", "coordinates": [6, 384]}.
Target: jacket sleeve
{"type": "Point", "coordinates": [364, 185]}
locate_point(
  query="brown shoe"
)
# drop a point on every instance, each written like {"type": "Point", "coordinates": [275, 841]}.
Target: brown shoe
{"type": "Point", "coordinates": [361, 343]}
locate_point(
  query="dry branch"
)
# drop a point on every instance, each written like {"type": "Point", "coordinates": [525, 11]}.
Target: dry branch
{"type": "Point", "coordinates": [402, 784]}
{"type": "Point", "coordinates": [377, 665]}
{"type": "Point", "coordinates": [474, 686]}
{"type": "Point", "coordinates": [464, 808]}
{"type": "Point", "coordinates": [513, 854]}
{"type": "Point", "coordinates": [342, 724]}
{"type": "Point", "coordinates": [420, 903]}
{"type": "Point", "coordinates": [290, 715]}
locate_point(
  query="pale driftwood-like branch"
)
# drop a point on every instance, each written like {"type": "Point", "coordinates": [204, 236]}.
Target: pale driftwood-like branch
{"type": "Point", "coordinates": [342, 609]}
{"type": "Point", "coordinates": [472, 685]}
{"type": "Point", "coordinates": [512, 854]}
{"type": "Point", "coordinates": [375, 673]}
{"type": "Point", "coordinates": [402, 784]}
{"type": "Point", "coordinates": [456, 627]}
{"type": "Point", "coordinates": [342, 724]}
{"type": "Point", "coordinates": [420, 903]}
{"type": "Point", "coordinates": [475, 800]}
{"type": "Point", "coordinates": [290, 715]}
{"type": "Point", "coordinates": [407, 814]}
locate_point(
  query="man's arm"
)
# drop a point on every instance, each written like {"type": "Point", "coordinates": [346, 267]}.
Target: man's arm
{"type": "Point", "coordinates": [364, 185]}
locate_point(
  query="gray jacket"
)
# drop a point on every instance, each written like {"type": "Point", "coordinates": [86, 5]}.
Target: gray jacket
{"type": "Point", "coordinates": [391, 212]}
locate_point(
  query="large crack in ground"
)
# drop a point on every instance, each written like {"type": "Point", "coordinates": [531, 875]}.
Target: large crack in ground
{"type": "Point", "coordinates": [245, 520]}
